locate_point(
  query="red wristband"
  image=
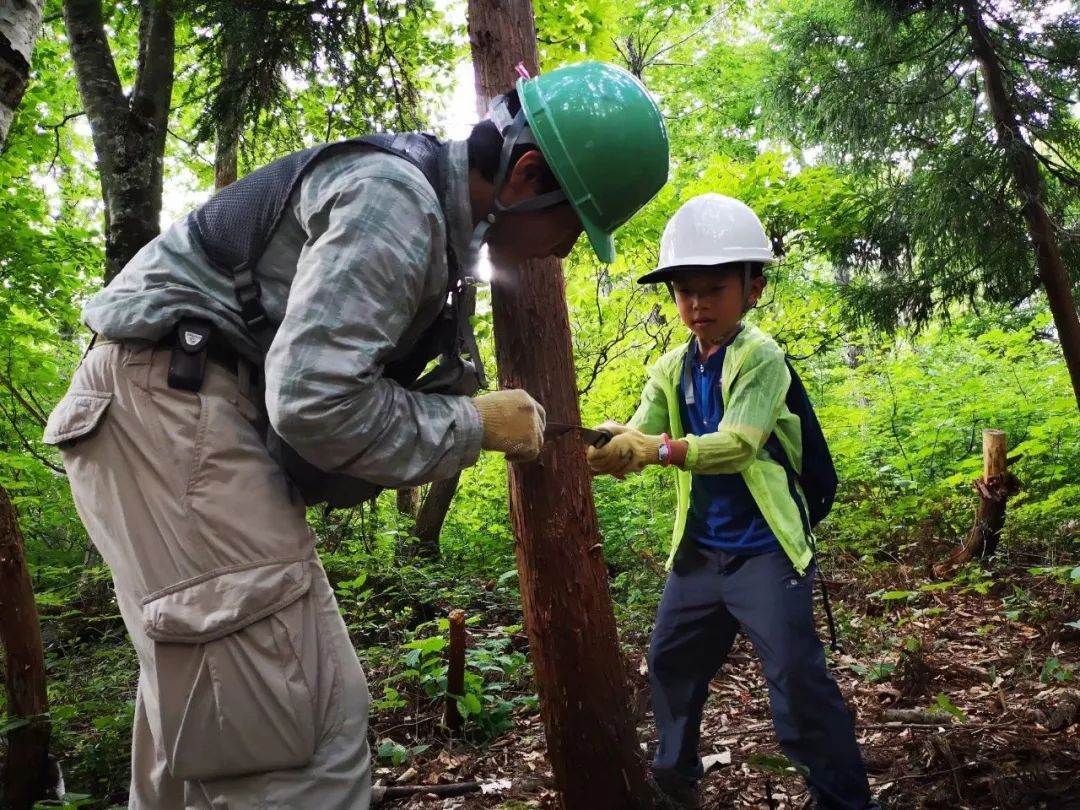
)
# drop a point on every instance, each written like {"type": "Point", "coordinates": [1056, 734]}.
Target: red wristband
{"type": "Point", "coordinates": [668, 449]}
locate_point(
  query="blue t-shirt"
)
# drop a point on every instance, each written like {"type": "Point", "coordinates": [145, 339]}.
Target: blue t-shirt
{"type": "Point", "coordinates": [723, 513]}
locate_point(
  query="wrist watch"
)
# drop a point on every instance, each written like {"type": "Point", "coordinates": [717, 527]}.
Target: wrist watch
{"type": "Point", "coordinates": [664, 451]}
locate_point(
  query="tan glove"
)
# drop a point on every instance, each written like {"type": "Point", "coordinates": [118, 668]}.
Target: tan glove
{"type": "Point", "coordinates": [513, 424]}
{"type": "Point", "coordinates": [630, 451]}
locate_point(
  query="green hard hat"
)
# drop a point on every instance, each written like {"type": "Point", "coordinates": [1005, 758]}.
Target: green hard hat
{"type": "Point", "coordinates": [604, 139]}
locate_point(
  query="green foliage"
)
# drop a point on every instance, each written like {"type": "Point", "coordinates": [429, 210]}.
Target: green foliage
{"type": "Point", "coordinates": [942, 703]}
{"type": "Point", "coordinates": [897, 100]}
{"type": "Point", "coordinates": [888, 205]}
{"type": "Point", "coordinates": [1056, 672]}
{"type": "Point", "coordinates": [495, 676]}
{"type": "Point", "coordinates": [775, 764]}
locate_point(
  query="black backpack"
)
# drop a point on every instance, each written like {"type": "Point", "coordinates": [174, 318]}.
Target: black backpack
{"type": "Point", "coordinates": [818, 476]}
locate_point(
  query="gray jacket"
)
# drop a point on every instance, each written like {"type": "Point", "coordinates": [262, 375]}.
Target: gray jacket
{"type": "Point", "coordinates": [353, 275]}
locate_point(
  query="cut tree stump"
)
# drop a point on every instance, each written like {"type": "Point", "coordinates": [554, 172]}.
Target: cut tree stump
{"type": "Point", "coordinates": [27, 776]}
{"type": "Point", "coordinates": [995, 487]}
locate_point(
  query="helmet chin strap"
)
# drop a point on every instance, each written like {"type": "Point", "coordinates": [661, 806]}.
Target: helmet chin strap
{"type": "Point", "coordinates": [514, 130]}
{"type": "Point", "coordinates": [747, 278]}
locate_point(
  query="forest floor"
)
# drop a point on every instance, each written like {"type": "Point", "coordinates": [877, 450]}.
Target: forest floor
{"type": "Point", "coordinates": [964, 697]}
{"type": "Point", "coordinates": [965, 693]}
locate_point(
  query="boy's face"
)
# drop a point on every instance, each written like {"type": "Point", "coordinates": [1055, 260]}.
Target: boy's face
{"type": "Point", "coordinates": [710, 301]}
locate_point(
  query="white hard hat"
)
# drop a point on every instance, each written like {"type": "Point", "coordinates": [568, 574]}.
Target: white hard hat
{"type": "Point", "coordinates": [708, 230]}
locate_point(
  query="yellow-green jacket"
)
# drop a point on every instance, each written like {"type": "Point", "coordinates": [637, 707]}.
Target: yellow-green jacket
{"type": "Point", "coordinates": [755, 381]}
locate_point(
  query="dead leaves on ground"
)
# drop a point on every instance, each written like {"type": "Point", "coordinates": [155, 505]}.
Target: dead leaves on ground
{"type": "Point", "coordinates": [975, 711]}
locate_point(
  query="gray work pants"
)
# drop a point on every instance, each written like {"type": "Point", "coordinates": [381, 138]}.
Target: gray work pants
{"type": "Point", "coordinates": [250, 694]}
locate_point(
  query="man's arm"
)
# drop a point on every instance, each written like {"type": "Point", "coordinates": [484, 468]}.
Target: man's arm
{"type": "Point", "coordinates": [372, 243]}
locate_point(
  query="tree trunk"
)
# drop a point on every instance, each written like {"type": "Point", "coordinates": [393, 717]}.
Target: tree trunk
{"type": "Point", "coordinates": [129, 131]}
{"type": "Point", "coordinates": [994, 488]}
{"type": "Point", "coordinates": [432, 515]}
{"type": "Point", "coordinates": [19, 23]}
{"type": "Point", "coordinates": [229, 127]}
{"type": "Point", "coordinates": [591, 739]}
{"type": "Point", "coordinates": [429, 513]}
{"type": "Point", "coordinates": [408, 501]}
{"type": "Point", "coordinates": [224, 162]}
{"type": "Point", "coordinates": [26, 771]}
{"type": "Point", "coordinates": [1025, 169]}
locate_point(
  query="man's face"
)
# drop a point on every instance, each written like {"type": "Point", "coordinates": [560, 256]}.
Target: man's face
{"type": "Point", "coordinates": [524, 235]}
{"type": "Point", "coordinates": [534, 234]}
{"type": "Point", "coordinates": [710, 301]}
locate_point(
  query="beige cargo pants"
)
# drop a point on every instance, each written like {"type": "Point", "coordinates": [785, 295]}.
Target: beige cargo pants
{"type": "Point", "coordinates": [250, 694]}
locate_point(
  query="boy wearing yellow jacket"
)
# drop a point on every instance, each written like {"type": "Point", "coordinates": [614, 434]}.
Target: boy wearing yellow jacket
{"type": "Point", "coordinates": [740, 557]}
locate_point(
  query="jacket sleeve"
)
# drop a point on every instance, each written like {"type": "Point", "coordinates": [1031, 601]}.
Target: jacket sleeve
{"type": "Point", "coordinates": [651, 415]}
{"type": "Point", "coordinates": [374, 248]}
{"type": "Point", "coordinates": [756, 399]}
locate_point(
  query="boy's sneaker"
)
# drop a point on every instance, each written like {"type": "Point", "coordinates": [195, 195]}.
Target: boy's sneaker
{"type": "Point", "coordinates": [683, 793]}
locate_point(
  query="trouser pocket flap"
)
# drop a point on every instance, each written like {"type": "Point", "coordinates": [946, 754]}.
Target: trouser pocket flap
{"type": "Point", "coordinates": [76, 415]}
{"type": "Point", "coordinates": [232, 695]}
{"type": "Point", "coordinates": [221, 602]}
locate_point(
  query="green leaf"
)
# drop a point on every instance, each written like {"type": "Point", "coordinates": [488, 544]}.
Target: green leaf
{"type": "Point", "coordinates": [942, 702]}
{"type": "Point", "coordinates": [891, 596]}
{"type": "Point", "coordinates": [393, 751]}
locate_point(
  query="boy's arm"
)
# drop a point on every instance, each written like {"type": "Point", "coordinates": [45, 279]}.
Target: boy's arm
{"type": "Point", "coordinates": [651, 415]}
{"type": "Point", "coordinates": [757, 397]}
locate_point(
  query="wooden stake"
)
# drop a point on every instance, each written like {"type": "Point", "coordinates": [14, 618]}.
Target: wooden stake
{"type": "Point", "coordinates": [994, 447]}
{"type": "Point", "coordinates": [455, 676]}
{"type": "Point", "coordinates": [994, 488]}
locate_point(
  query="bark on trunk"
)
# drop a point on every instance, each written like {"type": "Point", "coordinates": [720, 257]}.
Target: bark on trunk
{"type": "Point", "coordinates": [19, 24]}
{"type": "Point", "coordinates": [429, 512]}
{"type": "Point", "coordinates": [26, 772]}
{"type": "Point", "coordinates": [1025, 169]}
{"type": "Point", "coordinates": [224, 162]}
{"type": "Point", "coordinates": [228, 130]}
{"type": "Point", "coordinates": [592, 742]}
{"type": "Point", "coordinates": [129, 131]}
{"type": "Point", "coordinates": [408, 501]}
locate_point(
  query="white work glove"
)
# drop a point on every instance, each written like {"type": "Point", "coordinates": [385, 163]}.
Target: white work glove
{"type": "Point", "coordinates": [513, 424]}
{"type": "Point", "coordinates": [629, 451]}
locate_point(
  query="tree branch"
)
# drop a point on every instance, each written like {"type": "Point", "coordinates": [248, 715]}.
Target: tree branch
{"type": "Point", "coordinates": [56, 132]}
{"type": "Point", "coordinates": [99, 83]}
{"type": "Point", "coordinates": [30, 409]}
{"type": "Point", "coordinates": [152, 94]}
{"type": "Point", "coordinates": [27, 445]}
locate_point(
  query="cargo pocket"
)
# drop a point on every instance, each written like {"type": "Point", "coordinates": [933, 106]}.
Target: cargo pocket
{"type": "Point", "coordinates": [232, 694]}
{"type": "Point", "coordinates": [76, 417]}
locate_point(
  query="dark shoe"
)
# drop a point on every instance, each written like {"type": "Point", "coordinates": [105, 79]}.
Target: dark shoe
{"type": "Point", "coordinates": [680, 791]}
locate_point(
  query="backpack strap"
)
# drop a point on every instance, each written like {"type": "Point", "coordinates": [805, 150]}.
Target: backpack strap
{"type": "Point", "coordinates": [774, 448]}
{"type": "Point", "coordinates": [772, 445]}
